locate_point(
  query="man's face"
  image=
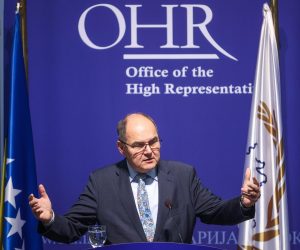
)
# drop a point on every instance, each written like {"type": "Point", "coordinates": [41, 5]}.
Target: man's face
{"type": "Point", "coordinates": [142, 145]}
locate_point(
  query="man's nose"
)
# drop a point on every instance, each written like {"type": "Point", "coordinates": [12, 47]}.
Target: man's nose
{"type": "Point", "coordinates": [148, 149]}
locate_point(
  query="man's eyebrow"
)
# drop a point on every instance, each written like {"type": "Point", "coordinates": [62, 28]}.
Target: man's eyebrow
{"type": "Point", "coordinates": [155, 137]}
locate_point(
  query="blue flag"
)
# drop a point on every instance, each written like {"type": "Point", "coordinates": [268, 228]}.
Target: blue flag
{"type": "Point", "coordinates": [19, 224]}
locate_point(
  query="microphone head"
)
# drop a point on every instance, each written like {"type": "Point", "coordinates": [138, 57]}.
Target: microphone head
{"type": "Point", "coordinates": [168, 203]}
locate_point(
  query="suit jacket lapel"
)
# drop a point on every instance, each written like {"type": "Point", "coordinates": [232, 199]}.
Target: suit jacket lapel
{"type": "Point", "coordinates": [166, 193]}
{"type": "Point", "coordinates": [127, 199]}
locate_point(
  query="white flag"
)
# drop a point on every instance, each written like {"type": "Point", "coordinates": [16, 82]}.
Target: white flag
{"type": "Point", "coordinates": [265, 155]}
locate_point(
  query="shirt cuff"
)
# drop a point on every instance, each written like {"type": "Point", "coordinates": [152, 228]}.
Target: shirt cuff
{"type": "Point", "coordinates": [51, 221]}
{"type": "Point", "coordinates": [243, 206]}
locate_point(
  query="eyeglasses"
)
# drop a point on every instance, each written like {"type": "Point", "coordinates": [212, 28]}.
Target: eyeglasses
{"type": "Point", "coordinates": [140, 146]}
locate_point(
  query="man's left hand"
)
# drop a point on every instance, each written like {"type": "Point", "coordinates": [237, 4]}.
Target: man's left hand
{"type": "Point", "coordinates": [250, 190]}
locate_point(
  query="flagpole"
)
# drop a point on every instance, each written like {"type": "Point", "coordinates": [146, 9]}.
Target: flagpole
{"type": "Point", "coordinates": [274, 10]}
{"type": "Point", "coordinates": [23, 16]}
{"type": "Point", "coordinates": [2, 192]}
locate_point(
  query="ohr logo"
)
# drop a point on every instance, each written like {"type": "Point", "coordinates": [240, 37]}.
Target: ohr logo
{"type": "Point", "coordinates": [168, 27]}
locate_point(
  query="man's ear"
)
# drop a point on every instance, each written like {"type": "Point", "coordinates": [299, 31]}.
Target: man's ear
{"type": "Point", "coordinates": [121, 147]}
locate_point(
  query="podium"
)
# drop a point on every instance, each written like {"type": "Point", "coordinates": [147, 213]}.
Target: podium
{"type": "Point", "coordinates": [155, 246]}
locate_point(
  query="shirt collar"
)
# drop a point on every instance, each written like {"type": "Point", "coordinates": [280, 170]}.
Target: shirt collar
{"type": "Point", "coordinates": [132, 173]}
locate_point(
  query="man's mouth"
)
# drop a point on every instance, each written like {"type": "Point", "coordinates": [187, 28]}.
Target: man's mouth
{"type": "Point", "coordinates": [149, 160]}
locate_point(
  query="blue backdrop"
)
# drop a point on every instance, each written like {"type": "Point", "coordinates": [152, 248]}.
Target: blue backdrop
{"type": "Point", "coordinates": [82, 81]}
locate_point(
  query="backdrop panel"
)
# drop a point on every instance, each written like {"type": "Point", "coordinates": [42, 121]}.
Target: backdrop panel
{"type": "Point", "coordinates": [91, 62]}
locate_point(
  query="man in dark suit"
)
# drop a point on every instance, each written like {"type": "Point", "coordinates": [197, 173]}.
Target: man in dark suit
{"type": "Point", "coordinates": [143, 198]}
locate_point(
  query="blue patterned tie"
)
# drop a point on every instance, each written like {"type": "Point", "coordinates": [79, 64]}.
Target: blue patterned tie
{"type": "Point", "coordinates": [144, 208]}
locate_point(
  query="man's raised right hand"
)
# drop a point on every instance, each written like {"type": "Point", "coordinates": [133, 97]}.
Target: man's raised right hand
{"type": "Point", "coordinates": [41, 207]}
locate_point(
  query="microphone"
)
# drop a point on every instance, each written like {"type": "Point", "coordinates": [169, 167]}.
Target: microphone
{"type": "Point", "coordinates": [168, 205]}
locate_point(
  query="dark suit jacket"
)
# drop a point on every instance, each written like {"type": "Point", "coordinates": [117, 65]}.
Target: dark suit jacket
{"type": "Point", "coordinates": [108, 199]}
